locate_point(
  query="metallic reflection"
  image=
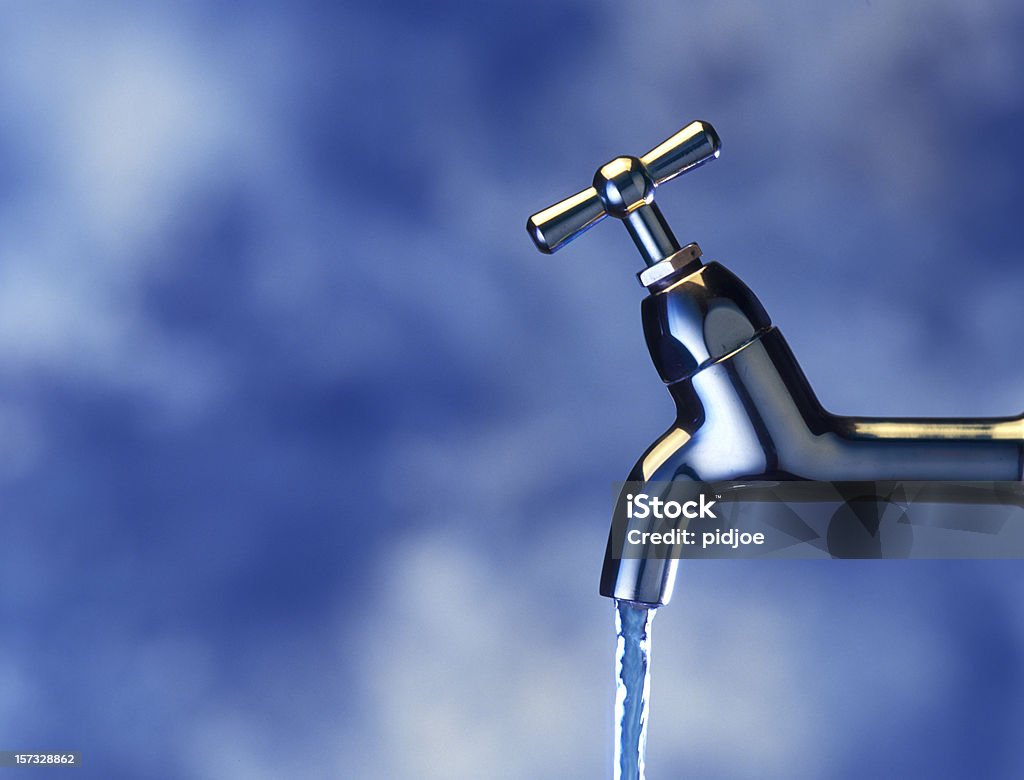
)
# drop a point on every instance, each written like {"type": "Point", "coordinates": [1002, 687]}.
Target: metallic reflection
{"type": "Point", "coordinates": [745, 411]}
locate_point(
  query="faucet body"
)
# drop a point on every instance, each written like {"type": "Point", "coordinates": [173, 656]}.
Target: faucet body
{"type": "Point", "coordinates": [745, 411]}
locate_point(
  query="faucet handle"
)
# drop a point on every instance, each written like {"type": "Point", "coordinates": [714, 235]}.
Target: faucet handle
{"type": "Point", "coordinates": [624, 188]}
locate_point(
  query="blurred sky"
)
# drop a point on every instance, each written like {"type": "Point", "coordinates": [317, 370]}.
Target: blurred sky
{"type": "Point", "coordinates": [306, 453]}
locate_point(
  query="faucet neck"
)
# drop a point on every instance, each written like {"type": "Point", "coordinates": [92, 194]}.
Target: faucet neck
{"type": "Point", "coordinates": [697, 316]}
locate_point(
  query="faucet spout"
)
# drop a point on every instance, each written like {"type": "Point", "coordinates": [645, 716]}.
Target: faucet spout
{"type": "Point", "coordinates": [745, 411]}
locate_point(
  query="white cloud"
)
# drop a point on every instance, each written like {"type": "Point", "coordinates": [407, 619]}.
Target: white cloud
{"type": "Point", "coordinates": [120, 125]}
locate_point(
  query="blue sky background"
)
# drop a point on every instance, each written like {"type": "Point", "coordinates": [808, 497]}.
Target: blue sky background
{"type": "Point", "coordinates": [306, 452]}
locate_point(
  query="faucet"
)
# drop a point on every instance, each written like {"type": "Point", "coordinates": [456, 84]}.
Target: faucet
{"type": "Point", "coordinates": [744, 409]}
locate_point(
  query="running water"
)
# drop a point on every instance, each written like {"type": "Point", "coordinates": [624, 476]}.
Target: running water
{"type": "Point", "coordinates": [632, 688]}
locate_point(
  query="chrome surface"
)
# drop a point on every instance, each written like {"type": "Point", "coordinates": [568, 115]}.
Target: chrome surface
{"type": "Point", "coordinates": [698, 319]}
{"type": "Point", "coordinates": [745, 411]}
{"type": "Point", "coordinates": [624, 188]}
{"type": "Point", "coordinates": [651, 234]}
{"type": "Point", "coordinates": [661, 274]}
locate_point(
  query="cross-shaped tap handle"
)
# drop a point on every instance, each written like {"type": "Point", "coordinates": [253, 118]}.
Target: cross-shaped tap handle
{"type": "Point", "coordinates": [624, 188]}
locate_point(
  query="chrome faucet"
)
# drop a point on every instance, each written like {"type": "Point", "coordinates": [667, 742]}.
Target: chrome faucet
{"type": "Point", "coordinates": [745, 410]}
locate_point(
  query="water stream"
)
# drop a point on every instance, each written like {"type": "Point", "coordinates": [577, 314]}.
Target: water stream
{"type": "Point", "coordinates": [632, 688]}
